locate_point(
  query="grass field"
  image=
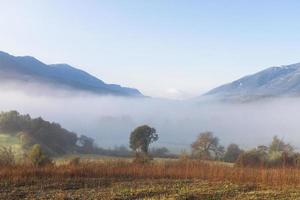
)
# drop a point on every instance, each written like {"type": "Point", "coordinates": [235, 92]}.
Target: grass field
{"type": "Point", "coordinates": [130, 189]}
{"type": "Point", "coordinates": [7, 140]}
{"type": "Point", "coordinates": [121, 179]}
{"type": "Point", "coordinates": [112, 178]}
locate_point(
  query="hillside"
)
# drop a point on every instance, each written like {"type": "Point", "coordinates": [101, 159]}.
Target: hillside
{"type": "Point", "coordinates": [21, 132]}
{"type": "Point", "coordinates": [272, 82]}
{"type": "Point", "coordinates": [27, 69]}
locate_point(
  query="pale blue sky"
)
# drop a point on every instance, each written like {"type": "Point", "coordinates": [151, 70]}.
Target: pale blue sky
{"type": "Point", "coordinates": [172, 48]}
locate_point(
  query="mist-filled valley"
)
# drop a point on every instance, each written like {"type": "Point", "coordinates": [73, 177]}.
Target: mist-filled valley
{"type": "Point", "coordinates": [128, 100]}
{"type": "Point", "coordinates": [109, 120]}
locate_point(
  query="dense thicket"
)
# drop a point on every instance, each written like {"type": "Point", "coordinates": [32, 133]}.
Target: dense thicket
{"type": "Point", "coordinates": [277, 154]}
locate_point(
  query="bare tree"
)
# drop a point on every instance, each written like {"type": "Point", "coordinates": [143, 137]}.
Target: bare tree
{"type": "Point", "coordinates": [207, 147]}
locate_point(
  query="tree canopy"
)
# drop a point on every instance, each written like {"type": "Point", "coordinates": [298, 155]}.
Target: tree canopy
{"type": "Point", "coordinates": [207, 146]}
{"type": "Point", "coordinates": [232, 153]}
{"type": "Point", "coordinates": [142, 137]}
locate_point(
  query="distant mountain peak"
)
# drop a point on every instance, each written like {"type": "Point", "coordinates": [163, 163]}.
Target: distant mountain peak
{"type": "Point", "coordinates": [30, 69]}
{"type": "Point", "coordinates": [272, 82]}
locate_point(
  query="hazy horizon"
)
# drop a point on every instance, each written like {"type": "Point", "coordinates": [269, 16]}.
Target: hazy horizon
{"type": "Point", "coordinates": [110, 119]}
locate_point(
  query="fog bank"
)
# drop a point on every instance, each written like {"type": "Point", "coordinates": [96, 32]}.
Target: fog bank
{"type": "Point", "coordinates": [109, 120]}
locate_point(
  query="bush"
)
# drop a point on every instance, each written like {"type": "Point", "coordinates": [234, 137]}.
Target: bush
{"type": "Point", "coordinates": [74, 161]}
{"type": "Point", "coordinates": [7, 156]}
{"type": "Point", "coordinates": [36, 157]}
{"type": "Point", "coordinates": [255, 158]}
{"type": "Point", "coordinates": [290, 159]}
{"type": "Point", "coordinates": [275, 158]}
{"type": "Point", "coordinates": [184, 156]}
{"type": "Point", "coordinates": [251, 158]}
{"type": "Point", "coordinates": [232, 153]}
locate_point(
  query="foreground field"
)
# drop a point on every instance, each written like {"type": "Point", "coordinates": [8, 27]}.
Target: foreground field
{"type": "Point", "coordinates": [159, 180]}
{"type": "Point", "coordinates": [114, 189]}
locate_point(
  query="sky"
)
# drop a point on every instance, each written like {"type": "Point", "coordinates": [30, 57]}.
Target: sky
{"type": "Point", "coordinates": [165, 48]}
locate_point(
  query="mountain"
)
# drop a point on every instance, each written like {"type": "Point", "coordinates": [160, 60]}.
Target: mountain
{"type": "Point", "coordinates": [27, 69]}
{"type": "Point", "coordinates": [272, 82]}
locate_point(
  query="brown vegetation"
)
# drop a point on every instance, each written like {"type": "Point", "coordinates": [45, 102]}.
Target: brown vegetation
{"type": "Point", "coordinates": [158, 170]}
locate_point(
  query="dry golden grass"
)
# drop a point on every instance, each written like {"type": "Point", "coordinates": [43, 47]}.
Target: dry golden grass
{"type": "Point", "coordinates": [121, 179]}
{"type": "Point", "coordinates": [157, 170]}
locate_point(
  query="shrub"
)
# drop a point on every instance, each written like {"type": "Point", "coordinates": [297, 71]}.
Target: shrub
{"type": "Point", "coordinates": [275, 158]}
{"type": "Point", "coordinates": [296, 160]}
{"type": "Point", "coordinates": [290, 159]}
{"type": "Point", "coordinates": [7, 156]}
{"type": "Point", "coordinates": [251, 158]}
{"type": "Point", "coordinates": [232, 153]}
{"type": "Point", "coordinates": [184, 156]}
{"type": "Point", "coordinates": [36, 157]}
{"type": "Point", "coordinates": [74, 161]}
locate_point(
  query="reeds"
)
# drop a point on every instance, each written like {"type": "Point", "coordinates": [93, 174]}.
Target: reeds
{"type": "Point", "coordinates": [160, 170]}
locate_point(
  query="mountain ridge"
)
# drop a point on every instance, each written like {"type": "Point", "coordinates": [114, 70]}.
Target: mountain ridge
{"type": "Point", "coordinates": [30, 69]}
{"type": "Point", "coordinates": [272, 82]}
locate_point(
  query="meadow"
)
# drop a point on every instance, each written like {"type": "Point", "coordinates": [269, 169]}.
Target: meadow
{"type": "Point", "coordinates": [35, 164]}
{"type": "Point", "coordinates": [170, 179]}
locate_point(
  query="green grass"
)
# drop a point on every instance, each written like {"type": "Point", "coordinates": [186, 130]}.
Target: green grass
{"type": "Point", "coordinates": [11, 141]}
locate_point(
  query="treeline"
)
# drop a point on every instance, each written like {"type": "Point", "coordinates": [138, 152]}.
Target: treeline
{"type": "Point", "coordinates": [55, 140]}
{"type": "Point", "coordinates": [276, 154]}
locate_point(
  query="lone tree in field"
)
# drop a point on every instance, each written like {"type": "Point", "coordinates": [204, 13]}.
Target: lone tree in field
{"type": "Point", "coordinates": [207, 147]}
{"type": "Point", "coordinates": [141, 138]}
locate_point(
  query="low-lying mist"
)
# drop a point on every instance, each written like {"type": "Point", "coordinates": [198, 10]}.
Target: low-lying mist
{"type": "Point", "coordinates": [109, 120]}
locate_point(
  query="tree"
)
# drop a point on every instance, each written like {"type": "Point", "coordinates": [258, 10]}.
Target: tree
{"type": "Point", "coordinates": [141, 138]}
{"type": "Point", "coordinates": [279, 145]}
{"type": "Point", "coordinates": [232, 153]}
{"type": "Point", "coordinates": [207, 146]}
{"type": "Point", "coordinates": [86, 144]}
{"type": "Point", "coordinates": [219, 153]}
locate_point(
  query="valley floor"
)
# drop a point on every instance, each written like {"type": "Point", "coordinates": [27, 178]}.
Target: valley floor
{"type": "Point", "coordinates": [108, 189]}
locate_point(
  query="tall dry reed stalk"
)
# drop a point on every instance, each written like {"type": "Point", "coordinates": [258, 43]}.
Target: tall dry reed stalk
{"type": "Point", "coordinates": [161, 170]}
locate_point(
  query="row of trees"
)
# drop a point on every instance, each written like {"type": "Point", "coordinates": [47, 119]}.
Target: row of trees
{"type": "Point", "coordinates": [277, 153]}
{"type": "Point", "coordinates": [207, 147]}
{"type": "Point", "coordinates": [55, 140]}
